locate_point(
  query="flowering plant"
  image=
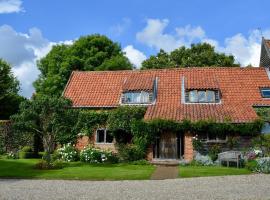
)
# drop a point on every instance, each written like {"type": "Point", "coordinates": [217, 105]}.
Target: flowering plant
{"type": "Point", "coordinates": [93, 155]}
{"type": "Point", "coordinates": [68, 153]}
{"type": "Point", "coordinates": [263, 165]}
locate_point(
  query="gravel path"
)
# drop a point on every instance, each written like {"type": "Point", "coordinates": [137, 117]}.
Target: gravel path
{"type": "Point", "coordinates": [229, 187]}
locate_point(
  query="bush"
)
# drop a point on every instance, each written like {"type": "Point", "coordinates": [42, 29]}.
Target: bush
{"type": "Point", "coordinates": [68, 153]}
{"type": "Point", "coordinates": [251, 165]}
{"type": "Point", "coordinates": [140, 162]}
{"type": "Point", "coordinates": [12, 155]}
{"type": "Point", "coordinates": [197, 145]}
{"type": "Point", "coordinates": [214, 151]}
{"type": "Point", "coordinates": [44, 165]}
{"type": "Point", "coordinates": [26, 155]}
{"type": "Point", "coordinates": [130, 152]}
{"type": "Point", "coordinates": [263, 165]}
{"type": "Point", "coordinates": [94, 155]}
{"type": "Point", "coordinates": [26, 149]}
{"type": "Point", "coordinates": [202, 160]}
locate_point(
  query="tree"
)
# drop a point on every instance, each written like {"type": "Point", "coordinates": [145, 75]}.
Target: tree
{"type": "Point", "coordinates": [89, 53]}
{"type": "Point", "coordinates": [48, 117]}
{"type": "Point", "coordinates": [198, 55]}
{"type": "Point", "coordinates": [9, 88]}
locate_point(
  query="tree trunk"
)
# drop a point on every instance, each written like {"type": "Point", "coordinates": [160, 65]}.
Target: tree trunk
{"type": "Point", "coordinates": [48, 142]}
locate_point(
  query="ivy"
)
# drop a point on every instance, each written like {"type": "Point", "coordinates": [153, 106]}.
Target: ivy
{"type": "Point", "coordinates": [89, 120]}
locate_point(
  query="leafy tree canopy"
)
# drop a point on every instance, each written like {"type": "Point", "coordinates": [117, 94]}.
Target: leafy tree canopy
{"type": "Point", "coordinates": [198, 55]}
{"type": "Point", "coordinates": [88, 53]}
{"type": "Point", "coordinates": [9, 88]}
{"type": "Point", "coordinates": [48, 117]}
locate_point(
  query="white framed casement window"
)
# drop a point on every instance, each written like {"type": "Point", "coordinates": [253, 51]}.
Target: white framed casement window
{"type": "Point", "coordinates": [202, 96]}
{"type": "Point", "coordinates": [265, 92]}
{"type": "Point", "coordinates": [209, 138]}
{"type": "Point", "coordinates": [103, 136]}
{"type": "Point", "coordinates": [137, 97]}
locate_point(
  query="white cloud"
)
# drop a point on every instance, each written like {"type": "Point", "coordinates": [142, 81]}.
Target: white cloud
{"type": "Point", "coordinates": [22, 50]}
{"type": "Point", "coordinates": [246, 49]}
{"type": "Point", "coordinates": [121, 27]}
{"type": "Point", "coordinates": [135, 56]}
{"type": "Point", "coordinates": [154, 35]}
{"type": "Point", "coordinates": [10, 6]}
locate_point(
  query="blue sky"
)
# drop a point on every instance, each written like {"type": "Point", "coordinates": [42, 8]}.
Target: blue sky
{"type": "Point", "coordinates": [29, 28]}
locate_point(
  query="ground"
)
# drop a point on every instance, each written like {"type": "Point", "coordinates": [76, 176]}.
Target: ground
{"type": "Point", "coordinates": [24, 168]}
{"type": "Point", "coordinates": [222, 187]}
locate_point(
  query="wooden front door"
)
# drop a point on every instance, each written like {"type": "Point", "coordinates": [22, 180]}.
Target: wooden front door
{"type": "Point", "coordinates": [169, 146]}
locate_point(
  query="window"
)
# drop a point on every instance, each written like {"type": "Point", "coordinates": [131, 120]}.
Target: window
{"type": "Point", "coordinates": [103, 136]}
{"type": "Point", "coordinates": [202, 96]}
{"type": "Point", "coordinates": [265, 92]}
{"type": "Point", "coordinates": [216, 138]}
{"type": "Point", "coordinates": [140, 97]}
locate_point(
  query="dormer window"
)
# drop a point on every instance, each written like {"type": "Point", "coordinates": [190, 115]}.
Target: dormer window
{"type": "Point", "coordinates": [202, 96]}
{"type": "Point", "coordinates": [137, 97]}
{"type": "Point", "coordinates": [265, 92]}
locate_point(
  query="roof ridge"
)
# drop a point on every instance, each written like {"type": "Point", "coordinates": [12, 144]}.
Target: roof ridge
{"type": "Point", "coordinates": [172, 69]}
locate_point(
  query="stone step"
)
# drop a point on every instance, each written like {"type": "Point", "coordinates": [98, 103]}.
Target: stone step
{"type": "Point", "coordinates": [165, 162]}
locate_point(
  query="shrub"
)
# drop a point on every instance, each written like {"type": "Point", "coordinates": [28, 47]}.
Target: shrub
{"type": "Point", "coordinates": [26, 149]}
{"type": "Point", "coordinates": [12, 155]}
{"type": "Point", "coordinates": [140, 162]}
{"type": "Point", "coordinates": [130, 152]}
{"type": "Point", "coordinates": [44, 165]}
{"type": "Point", "coordinates": [94, 155]}
{"type": "Point", "coordinates": [251, 165]}
{"type": "Point", "coordinates": [202, 160]}
{"type": "Point", "coordinates": [263, 165]}
{"type": "Point", "coordinates": [197, 145]}
{"type": "Point", "coordinates": [68, 153]}
{"type": "Point", "coordinates": [214, 151]}
{"type": "Point", "coordinates": [26, 155]}
{"type": "Point", "coordinates": [232, 142]}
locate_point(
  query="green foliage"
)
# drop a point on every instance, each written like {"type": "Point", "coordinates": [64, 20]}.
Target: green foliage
{"type": "Point", "coordinates": [263, 143]}
{"type": "Point", "coordinates": [26, 155]}
{"type": "Point", "coordinates": [44, 165]}
{"type": "Point", "coordinates": [232, 142]}
{"type": "Point", "coordinates": [94, 155]}
{"type": "Point", "coordinates": [26, 149]}
{"type": "Point", "coordinates": [263, 112]}
{"type": "Point", "coordinates": [68, 153]}
{"type": "Point", "coordinates": [198, 55]}
{"type": "Point", "coordinates": [9, 88]}
{"type": "Point", "coordinates": [47, 117]}
{"type": "Point", "coordinates": [214, 150]}
{"type": "Point", "coordinates": [251, 165]}
{"type": "Point", "coordinates": [197, 145]}
{"type": "Point", "coordinates": [130, 152]}
{"type": "Point", "coordinates": [88, 53]}
{"type": "Point", "coordinates": [89, 120]}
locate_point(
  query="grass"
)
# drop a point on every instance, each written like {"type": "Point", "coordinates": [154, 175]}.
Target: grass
{"type": "Point", "coordinates": [201, 171]}
{"type": "Point", "coordinates": [24, 168]}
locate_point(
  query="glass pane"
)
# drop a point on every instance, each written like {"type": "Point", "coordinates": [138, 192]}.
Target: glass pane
{"type": "Point", "coordinates": [144, 97]}
{"type": "Point", "coordinates": [201, 96]}
{"type": "Point", "coordinates": [266, 93]}
{"type": "Point", "coordinates": [100, 135]}
{"type": "Point", "coordinates": [136, 97]}
{"type": "Point", "coordinates": [109, 137]}
{"type": "Point", "coordinates": [193, 96]}
{"type": "Point", "coordinates": [210, 96]}
{"type": "Point", "coordinates": [128, 97]}
{"type": "Point", "coordinates": [212, 137]}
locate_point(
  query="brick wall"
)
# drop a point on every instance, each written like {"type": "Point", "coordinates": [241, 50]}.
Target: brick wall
{"type": "Point", "coordinates": [188, 147]}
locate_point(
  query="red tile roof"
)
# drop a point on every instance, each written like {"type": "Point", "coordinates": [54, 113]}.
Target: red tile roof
{"type": "Point", "coordinates": [239, 89]}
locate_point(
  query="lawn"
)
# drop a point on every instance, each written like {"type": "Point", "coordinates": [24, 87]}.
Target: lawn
{"type": "Point", "coordinates": [24, 168]}
{"type": "Point", "coordinates": [200, 171]}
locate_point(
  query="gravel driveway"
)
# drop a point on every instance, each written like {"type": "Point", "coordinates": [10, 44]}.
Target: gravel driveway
{"type": "Point", "coordinates": [228, 187]}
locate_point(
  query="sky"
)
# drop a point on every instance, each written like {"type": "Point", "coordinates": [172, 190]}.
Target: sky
{"type": "Point", "coordinates": [29, 28]}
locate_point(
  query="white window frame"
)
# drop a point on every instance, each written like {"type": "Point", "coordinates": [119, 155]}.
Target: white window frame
{"type": "Point", "coordinates": [265, 89]}
{"type": "Point", "coordinates": [105, 136]}
{"type": "Point", "coordinates": [196, 91]}
{"type": "Point", "coordinates": [141, 97]}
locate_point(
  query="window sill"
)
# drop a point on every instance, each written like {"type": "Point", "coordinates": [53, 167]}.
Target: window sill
{"type": "Point", "coordinates": [104, 143]}
{"type": "Point", "coordinates": [216, 141]}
